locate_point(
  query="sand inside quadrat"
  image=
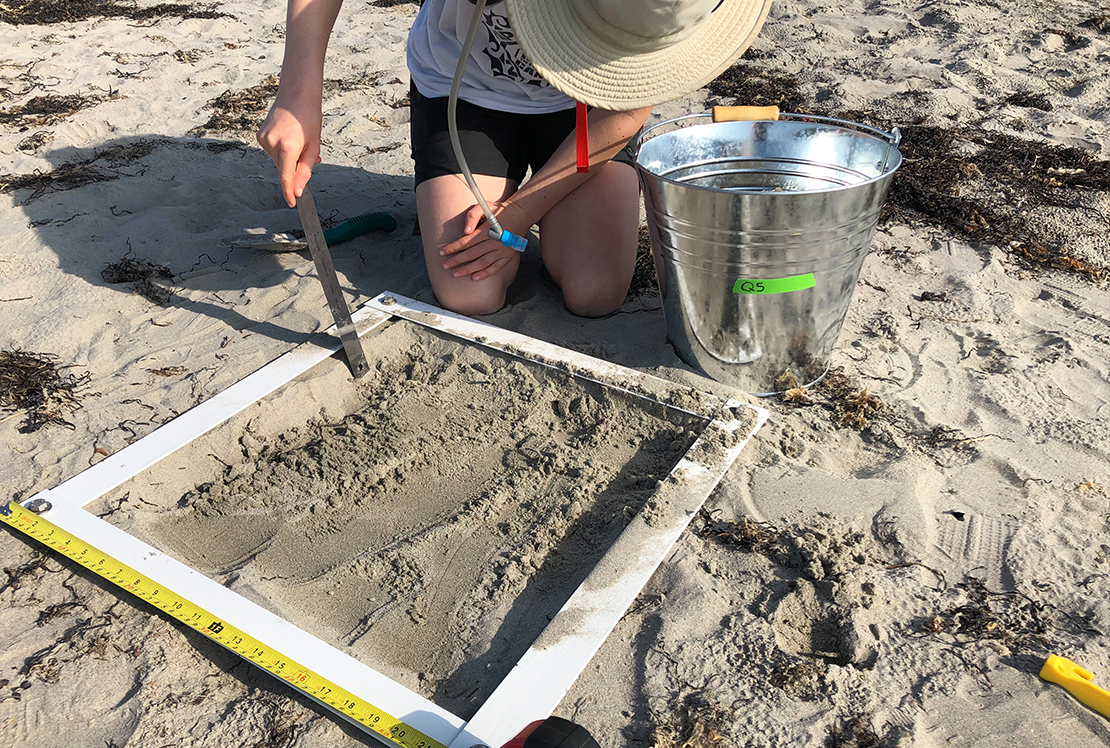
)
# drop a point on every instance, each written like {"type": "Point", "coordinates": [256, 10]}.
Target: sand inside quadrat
{"type": "Point", "coordinates": [435, 530]}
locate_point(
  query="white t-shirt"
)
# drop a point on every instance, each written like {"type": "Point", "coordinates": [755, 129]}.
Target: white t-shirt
{"type": "Point", "coordinates": [497, 76]}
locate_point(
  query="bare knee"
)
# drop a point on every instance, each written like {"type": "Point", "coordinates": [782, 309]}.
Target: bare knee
{"type": "Point", "coordinates": [478, 299]}
{"type": "Point", "coordinates": [596, 301]}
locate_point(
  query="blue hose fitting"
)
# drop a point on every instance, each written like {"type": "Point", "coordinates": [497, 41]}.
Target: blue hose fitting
{"type": "Point", "coordinates": [511, 240]}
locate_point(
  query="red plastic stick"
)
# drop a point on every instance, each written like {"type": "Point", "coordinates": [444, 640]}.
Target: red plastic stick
{"type": "Point", "coordinates": [582, 139]}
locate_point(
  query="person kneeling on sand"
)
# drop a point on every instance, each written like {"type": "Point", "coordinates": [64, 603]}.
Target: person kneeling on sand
{"type": "Point", "coordinates": [532, 60]}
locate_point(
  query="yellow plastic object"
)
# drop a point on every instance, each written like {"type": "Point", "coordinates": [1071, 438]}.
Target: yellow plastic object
{"type": "Point", "coordinates": [744, 113]}
{"type": "Point", "coordinates": [1077, 682]}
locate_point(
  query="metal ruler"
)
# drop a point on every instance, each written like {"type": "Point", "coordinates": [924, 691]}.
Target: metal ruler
{"type": "Point", "coordinates": [292, 672]}
{"type": "Point", "coordinates": [325, 269]}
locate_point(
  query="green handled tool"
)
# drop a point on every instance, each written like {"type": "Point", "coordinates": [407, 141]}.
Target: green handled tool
{"type": "Point", "coordinates": [359, 225]}
{"type": "Point", "coordinates": [342, 232]}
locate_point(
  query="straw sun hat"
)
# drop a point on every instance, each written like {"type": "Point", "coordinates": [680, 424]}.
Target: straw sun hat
{"type": "Point", "coordinates": [626, 54]}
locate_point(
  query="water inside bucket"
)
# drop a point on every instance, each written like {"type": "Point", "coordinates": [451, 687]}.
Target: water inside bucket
{"type": "Point", "coordinates": [764, 175]}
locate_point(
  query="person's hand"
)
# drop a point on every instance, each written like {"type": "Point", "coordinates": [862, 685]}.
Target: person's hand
{"type": "Point", "coordinates": [291, 135]}
{"type": "Point", "coordinates": [475, 254]}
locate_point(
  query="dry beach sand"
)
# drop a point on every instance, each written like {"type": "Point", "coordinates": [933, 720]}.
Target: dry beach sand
{"type": "Point", "coordinates": [433, 542]}
{"type": "Point", "coordinates": [887, 564]}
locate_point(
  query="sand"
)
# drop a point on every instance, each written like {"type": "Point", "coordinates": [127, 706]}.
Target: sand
{"type": "Point", "coordinates": [889, 574]}
{"type": "Point", "coordinates": [432, 543]}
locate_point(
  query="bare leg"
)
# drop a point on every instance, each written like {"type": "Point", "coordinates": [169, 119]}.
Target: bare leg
{"type": "Point", "coordinates": [441, 203]}
{"type": "Point", "coordinates": [588, 241]}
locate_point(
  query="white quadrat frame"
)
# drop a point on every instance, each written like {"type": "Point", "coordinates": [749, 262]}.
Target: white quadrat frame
{"type": "Point", "coordinates": [544, 674]}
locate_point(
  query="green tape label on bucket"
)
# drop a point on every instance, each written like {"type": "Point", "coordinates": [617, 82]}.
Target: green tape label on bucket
{"type": "Point", "coordinates": [774, 285]}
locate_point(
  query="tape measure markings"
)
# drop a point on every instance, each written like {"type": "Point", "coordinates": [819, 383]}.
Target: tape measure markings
{"type": "Point", "coordinates": [224, 634]}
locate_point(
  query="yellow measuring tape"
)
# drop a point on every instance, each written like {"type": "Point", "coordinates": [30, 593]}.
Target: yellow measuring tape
{"type": "Point", "coordinates": [196, 617]}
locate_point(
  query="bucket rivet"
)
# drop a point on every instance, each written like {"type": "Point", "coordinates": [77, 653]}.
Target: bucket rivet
{"type": "Point", "coordinates": [388, 301]}
{"type": "Point", "coordinates": [38, 506]}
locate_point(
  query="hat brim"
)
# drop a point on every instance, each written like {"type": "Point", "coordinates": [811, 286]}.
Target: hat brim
{"type": "Point", "coordinates": [593, 70]}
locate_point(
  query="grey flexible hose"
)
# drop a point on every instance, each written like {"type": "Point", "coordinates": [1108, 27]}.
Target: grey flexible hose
{"type": "Point", "coordinates": [453, 127]}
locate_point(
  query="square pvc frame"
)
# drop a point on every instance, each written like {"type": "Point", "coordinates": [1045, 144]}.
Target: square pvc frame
{"type": "Point", "coordinates": [544, 674]}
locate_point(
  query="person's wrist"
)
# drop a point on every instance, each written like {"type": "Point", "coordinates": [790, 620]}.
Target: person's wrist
{"type": "Point", "coordinates": [300, 90]}
{"type": "Point", "coordinates": [514, 217]}
{"type": "Point", "coordinates": [299, 99]}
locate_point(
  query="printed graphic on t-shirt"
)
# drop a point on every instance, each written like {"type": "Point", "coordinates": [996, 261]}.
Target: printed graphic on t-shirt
{"type": "Point", "coordinates": [506, 59]}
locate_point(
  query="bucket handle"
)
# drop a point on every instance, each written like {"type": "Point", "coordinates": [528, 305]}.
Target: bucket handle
{"type": "Point", "coordinates": [744, 113]}
{"type": "Point", "coordinates": [892, 138]}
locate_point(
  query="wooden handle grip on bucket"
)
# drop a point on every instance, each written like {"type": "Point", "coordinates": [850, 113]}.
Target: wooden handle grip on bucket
{"type": "Point", "coordinates": [744, 113]}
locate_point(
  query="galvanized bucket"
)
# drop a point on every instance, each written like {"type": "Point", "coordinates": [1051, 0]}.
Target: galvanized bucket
{"type": "Point", "coordinates": [759, 230]}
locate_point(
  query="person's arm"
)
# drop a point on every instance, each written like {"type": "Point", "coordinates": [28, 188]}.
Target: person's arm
{"type": "Point", "coordinates": [291, 131]}
{"type": "Point", "coordinates": [609, 132]}
{"type": "Point", "coordinates": [476, 255]}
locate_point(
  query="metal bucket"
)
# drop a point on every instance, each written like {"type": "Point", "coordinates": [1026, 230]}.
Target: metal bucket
{"type": "Point", "coordinates": [759, 231]}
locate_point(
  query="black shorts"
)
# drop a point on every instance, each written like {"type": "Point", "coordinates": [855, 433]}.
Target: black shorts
{"type": "Point", "coordinates": [496, 144]}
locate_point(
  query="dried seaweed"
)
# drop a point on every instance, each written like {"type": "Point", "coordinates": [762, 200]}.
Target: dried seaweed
{"type": "Point", "coordinates": [982, 185]}
{"type": "Point", "coordinates": [243, 111]}
{"type": "Point", "coordinates": [169, 371]}
{"type": "Point", "coordinates": [29, 572]}
{"type": "Point", "coordinates": [857, 408]}
{"type": "Point", "coordinates": [1010, 618]}
{"type": "Point", "coordinates": [1072, 39]}
{"type": "Point", "coordinates": [50, 109]}
{"type": "Point", "coordinates": [224, 146]}
{"type": "Point", "coordinates": [188, 56]}
{"type": "Point", "coordinates": [745, 534]}
{"type": "Point", "coordinates": [850, 405]}
{"type": "Point", "coordinates": [697, 726]}
{"type": "Point", "coordinates": [68, 176]}
{"type": "Point", "coordinates": [239, 111]}
{"type": "Point", "coordinates": [1030, 101]}
{"type": "Point", "coordinates": [644, 279]}
{"type": "Point", "coordinates": [129, 270]}
{"type": "Point", "coordinates": [797, 396]}
{"type": "Point", "coordinates": [26, 77]}
{"type": "Point", "coordinates": [747, 85]}
{"type": "Point", "coordinates": [334, 86]}
{"type": "Point", "coordinates": [32, 143]}
{"type": "Point", "coordinates": [853, 732]}
{"type": "Point", "coordinates": [804, 680]}
{"type": "Point", "coordinates": [44, 12]}
{"type": "Point", "coordinates": [282, 727]}
{"type": "Point", "coordinates": [33, 385]}
{"type": "Point", "coordinates": [122, 154]}
{"type": "Point", "coordinates": [146, 276]}
{"type": "Point", "coordinates": [103, 166]}
{"type": "Point", "coordinates": [1100, 24]}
